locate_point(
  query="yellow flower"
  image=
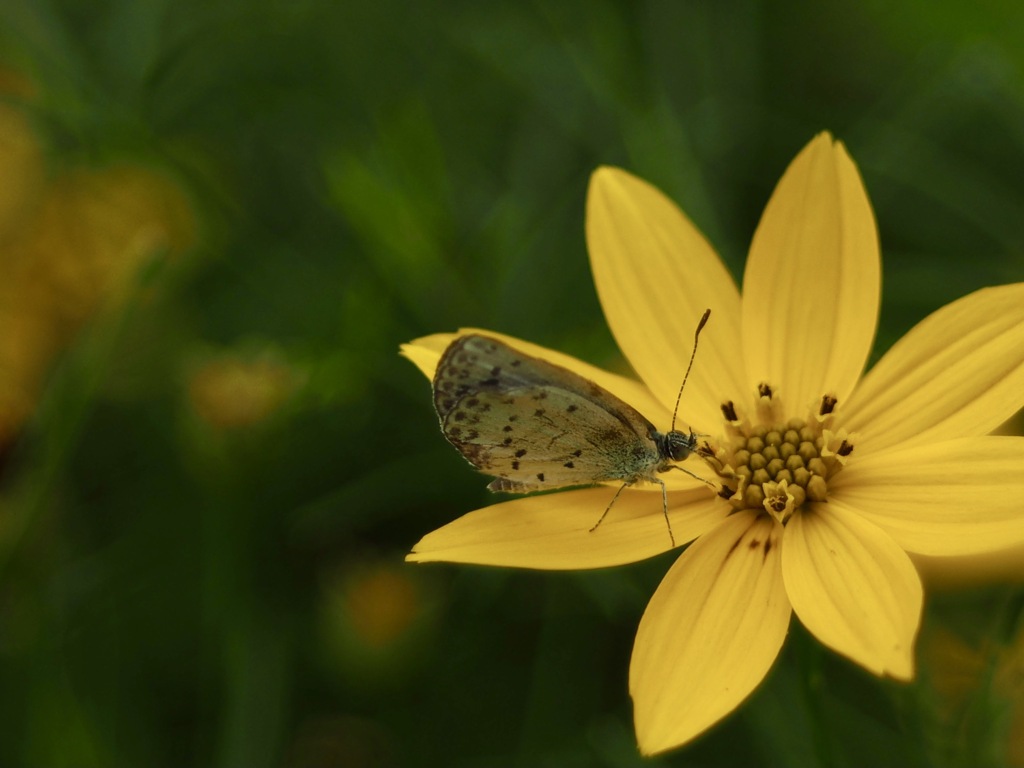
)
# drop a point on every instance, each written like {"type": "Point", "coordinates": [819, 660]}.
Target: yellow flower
{"type": "Point", "coordinates": [828, 477]}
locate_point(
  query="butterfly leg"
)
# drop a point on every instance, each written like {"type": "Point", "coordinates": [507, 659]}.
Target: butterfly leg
{"type": "Point", "coordinates": [607, 509]}
{"type": "Point", "coordinates": [691, 474]}
{"type": "Point", "coordinates": [664, 507]}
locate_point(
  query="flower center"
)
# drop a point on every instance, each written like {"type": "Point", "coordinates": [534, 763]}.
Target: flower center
{"type": "Point", "coordinates": [773, 463]}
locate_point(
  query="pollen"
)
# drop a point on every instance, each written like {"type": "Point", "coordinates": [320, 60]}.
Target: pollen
{"type": "Point", "coordinates": [775, 464]}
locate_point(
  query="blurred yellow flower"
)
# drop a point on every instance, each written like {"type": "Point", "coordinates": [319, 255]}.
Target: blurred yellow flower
{"type": "Point", "coordinates": [29, 338]}
{"type": "Point", "coordinates": [69, 247]}
{"type": "Point", "coordinates": [28, 344]}
{"type": "Point", "coordinates": [379, 604]}
{"type": "Point", "coordinates": [96, 228]}
{"type": "Point", "coordinates": [22, 167]}
{"type": "Point", "coordinates": [828, 478]}
{"type": "Point", "coordinates": [374, 618]}
{"type": "Point", "coordinates": [236, 389]}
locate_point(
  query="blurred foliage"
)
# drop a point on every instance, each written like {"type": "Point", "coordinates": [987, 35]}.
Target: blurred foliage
{"type": "Point", "coordinates": [217, 222]}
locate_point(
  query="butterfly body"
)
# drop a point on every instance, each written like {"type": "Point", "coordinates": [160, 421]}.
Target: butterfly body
{"type": "Point", "coordinates": [534, 425]}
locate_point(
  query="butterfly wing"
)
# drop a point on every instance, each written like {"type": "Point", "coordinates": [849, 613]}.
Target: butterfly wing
{"type": "Point", "coordinates": [536, 425]}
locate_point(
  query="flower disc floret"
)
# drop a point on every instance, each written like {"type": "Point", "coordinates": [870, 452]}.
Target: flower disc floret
{"type": "Point", "coordinates": [777, 464]}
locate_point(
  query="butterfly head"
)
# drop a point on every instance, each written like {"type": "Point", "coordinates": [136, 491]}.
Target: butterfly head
{"type": "Point", "coordinates": [676, 445]}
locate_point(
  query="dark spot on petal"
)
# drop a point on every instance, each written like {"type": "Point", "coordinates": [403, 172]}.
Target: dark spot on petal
{"type": "Point", "coordinates": [472, 435]}
{"type": "Point", "coordinates": [578, 452]}
{"type": "Point", "coordinates": [571, 408]}
{"type": "Point", "coordinates": [520, 453]}
{"type": "Point", "coordinates": [539, 412]}
{"type": "Point", "coordinates": [506, 428]}
{"type": "Point", "coordinates": [754, 543]}
{"type": "Point", "coordinates": [513, 417]}
{"type": "Point", "coordinates": [507, 441]}
{"type": "Point", "coordinates": [455, 431]}
{"type": "Point", "coordinates": [489, 383]}
{"type": "Point", "coordinates": [568, 465]}
{"type": "Point", "coordinates": [540, 476]}
{"type": "Point", "coordinates": [515, 363]}
{"type": "Point", "coordinates": [496, 370]}
{"type": "Point", "coordinates": [472, 402]}
{"type": "Point", "coordinates": [459, 415]}
{"type": "Point", "coordinates": [515, 464]}
{"type": "Point", "coordinates": [767, 548]}
{"type": "Point", "coordinates": [733, 547]}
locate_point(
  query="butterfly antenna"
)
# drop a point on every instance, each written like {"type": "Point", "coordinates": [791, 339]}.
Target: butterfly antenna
{"type": "Point", "coordinates": [693, 354]}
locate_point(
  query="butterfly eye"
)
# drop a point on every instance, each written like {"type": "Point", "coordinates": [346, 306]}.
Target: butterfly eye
{"type": "Point", "coordinates": [680, 445]}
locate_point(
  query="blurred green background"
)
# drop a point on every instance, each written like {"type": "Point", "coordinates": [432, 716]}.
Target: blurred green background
{"type": "Point", "coordinates": [218, 220]}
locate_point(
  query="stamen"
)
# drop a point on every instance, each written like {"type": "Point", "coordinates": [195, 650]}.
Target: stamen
{"type": "Point", "coordinates": [779, 502]}
{"type": "Point", "coordinates": [729, 411]}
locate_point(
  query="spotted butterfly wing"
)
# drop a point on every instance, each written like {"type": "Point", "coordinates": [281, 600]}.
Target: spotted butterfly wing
{"type": "Point", "coordinates": [535, 425]}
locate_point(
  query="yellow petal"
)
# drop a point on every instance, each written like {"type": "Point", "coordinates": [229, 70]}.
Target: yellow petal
{"type": "Point", "coordinates": [710, 633]}
{"type": "Point", "coordinates": [853, 588]}
{"type": "Point", "coordinates": [552, 532]}
{"type": "Point", "coordinates": [957, 497]}
{"type": "Point", "coordinates": [812, 284]}
{"type": "Point", "coordinates": [655, 275]}
{"type": "Point", "coordinates": [425, 352]}
{"type": "Point", "coordinates": [958, 373]}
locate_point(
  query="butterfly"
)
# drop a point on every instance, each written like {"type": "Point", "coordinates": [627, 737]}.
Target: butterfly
{"type": "Point", "coordinates": [534, 425]}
